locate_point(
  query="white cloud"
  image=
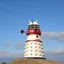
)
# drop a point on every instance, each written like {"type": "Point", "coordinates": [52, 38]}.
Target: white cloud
{"type": "Point", "coordinates": [7, 54]}
{"type": "Point", "coordinates": [6, 44]}
{"type": "Point", "coordinates": [15, 45]}
{"type": "Point", "coordinates": [19, 45]}
{"type": "Point", "coordinates": [57, 55]}
{"type": "Point", "coordinates": [53, 35]}
{"type": "Point", "coordinates": [58, 51]}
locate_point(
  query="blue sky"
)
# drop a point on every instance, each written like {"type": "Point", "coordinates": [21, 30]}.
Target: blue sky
{"type": "Point", "coordinates": [15, 15]}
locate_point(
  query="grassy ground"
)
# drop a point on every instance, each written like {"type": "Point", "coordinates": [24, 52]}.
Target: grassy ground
{"type": "Point", "coordinates": [34, 61]}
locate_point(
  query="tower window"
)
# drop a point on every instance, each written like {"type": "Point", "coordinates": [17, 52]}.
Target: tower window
{"type": "Point", "coordinates": [37, 36]}
{"type": "Point", "coordinates": [36, 27]}
{"type": "Point", "coordinates": [33, 27]}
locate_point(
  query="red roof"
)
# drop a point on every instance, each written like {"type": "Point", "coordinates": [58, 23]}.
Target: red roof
{"type": "Point", "coordinates": [32, 31]}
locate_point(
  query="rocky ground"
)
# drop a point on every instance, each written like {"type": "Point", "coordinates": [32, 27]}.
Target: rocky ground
{"type": "Point", "coordinates": [33, 61]}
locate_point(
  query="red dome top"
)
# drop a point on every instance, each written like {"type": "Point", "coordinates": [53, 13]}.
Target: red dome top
{"type": "Point", "coordinates": [32, 31]}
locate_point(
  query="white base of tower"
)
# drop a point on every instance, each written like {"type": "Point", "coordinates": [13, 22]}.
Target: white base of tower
{"type": "Point", "coordinates": [33, 49]}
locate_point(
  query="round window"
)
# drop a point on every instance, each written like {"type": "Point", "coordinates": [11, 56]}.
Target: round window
{"type": "Point", "coordinates": [37, 36]}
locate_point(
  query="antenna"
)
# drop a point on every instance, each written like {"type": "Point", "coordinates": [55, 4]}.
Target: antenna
{"type": "Point", "coordinates": [36, 20]}
{"type": "Point", "coordinates": [30, 21]}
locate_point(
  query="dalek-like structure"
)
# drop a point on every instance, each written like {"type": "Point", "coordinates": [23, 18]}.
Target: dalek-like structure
{"type": "Point", "coordinates": [33, 45]}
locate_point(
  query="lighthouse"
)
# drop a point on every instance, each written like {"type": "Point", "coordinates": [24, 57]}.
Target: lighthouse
{"type": "Point", "coordinates": [33, 45]}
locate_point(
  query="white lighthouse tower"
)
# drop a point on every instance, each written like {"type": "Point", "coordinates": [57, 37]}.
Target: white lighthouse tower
{"type": "Point", "coordinates": [33, 45]}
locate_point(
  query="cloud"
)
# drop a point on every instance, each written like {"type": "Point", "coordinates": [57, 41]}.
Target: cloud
{"type": "Point", "coordinates": [7, 54]}
{"type": "Point", "coordinates": [6, 44]}
{"type": "Point", "coordinates": [15, 45]}
{"type": "Point", "coordinates": [59, 51]}
{"type": "Point", "coordinates": [53, 35]}
{"type": "Point", "coordinates": [19, 45]}
{"type": "Point", "coordinates": [3, 52]}
{"type": "Point", "coordinates": [57, 55]}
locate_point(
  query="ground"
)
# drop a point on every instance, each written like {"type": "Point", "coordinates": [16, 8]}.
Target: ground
{"type": "Point", "coordinates": [34, 61]}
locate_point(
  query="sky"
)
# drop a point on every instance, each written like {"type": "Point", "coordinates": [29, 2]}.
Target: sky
{"type": "Point", "coordinates": [15, 15]}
